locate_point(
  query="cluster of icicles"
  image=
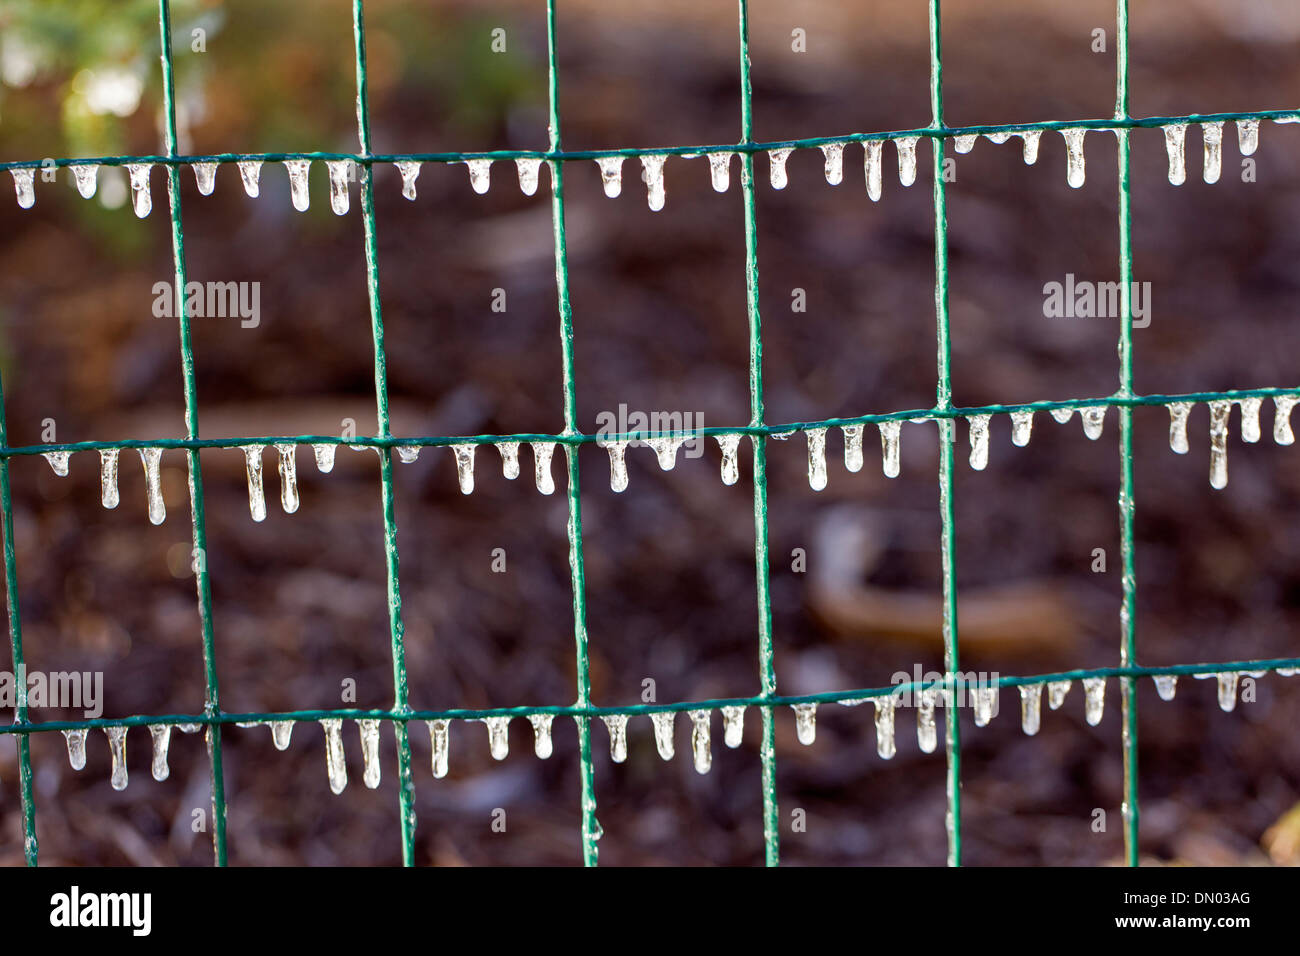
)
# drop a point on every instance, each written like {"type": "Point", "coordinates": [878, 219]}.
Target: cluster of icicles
{"type": "Point", "coordinates": [343, 171]}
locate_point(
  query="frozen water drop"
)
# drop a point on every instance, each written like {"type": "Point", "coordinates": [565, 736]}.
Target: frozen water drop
{"type": "Point", "coordinates": [407, 454]}
{"type": "Point", "coordinates": [927, 732]}
{"type": "Point", "coordinates": [335, 766]}
{"type": "Point", "coordinates": [24, 187]}
{"type": "Point", "coordinates": [253, 467]}
{"type": "Point", "coordinates": [410, 171]}
{"type": "Point", "coordinates": [884, 726]}
{"type": "Point", "coordinates": [439, 737]}
{"type": "Point", "coordinates": [87, 179]}
{"type": "Point", "coordinates": [1248, 136]}
{"type": "Point", "coordinates": [250, 171]}
{"type": "Point", "coordinates": [1062, 415]}
{"type": "Point", "coordinates": [1219, 411]}
{"type": "Point", "coordinates": [151, 458]}
{"type": "Point", "coordinates": [720, 171]}
{"type": "Point", "coordinates": [979, 441]}
{"type": "Point", "coordinates": [816, 458]}
{"type": "Point", "coordinates": [498, 740]}
{"type": "Point", "coordinates": [872, 151]}
{"type": "Point", "coordinates": [205, 177]}
{"type": "Point", "coordinates": [1074, 159]}
{"type": "Point", "coordinates": [1228, 690]}
{"type": "Point", "coordinates": [58, 461]}
{"type": "Point", "coordinates": [999, 137]}
{"type": "Point", "coordinates": [852, 446]}
{"type": "Point", "coordinates": [141, 198]}
{"type": "Point", "coordinates": [652, 172]}
{"type": "Point", "coordinates": [77, 747]}
{"type": "Point", "coordinates": [1166, 685]}
{"type": "Point", "coordinates": [889, 432]}
{"type": "Point", "coordinates": [108, 477]}
{"type": "Point", "coordinates": [340, 171]}
{"type": "Point", "coordinates": [617, 465]}
{"type": "Point", "coordinates": [665, 448]}
{"type": "Point", "coordinates": [543, 451]}
{"type": "Point", "coordinates": [1094, 419]}
{"type": "Point", "coordinates": [529, 168]}
{"type": "Point", "coordinates": [1175, 146]}
{"type": "Point", "coordinates": [805, 723]}
{"type": "Point", "coordinates": [369, 731]}
{"type": "Point", "coordinates": [986, 704]}
{"type": "Point", "coordinates": [117, 747]}
{"type": "Point", "coordinates": [162, 735]}
{"type": "Point", "coordinates": [1250, 418]}
{"type": "Point", "coordinates": [1287, 671]}
{"type": "Point", "coordinates": [1094, 699]}
{"type": "Point", "coordinates": [509, 458]}
{"type": "Point", "coordinates": [906, 146]}
{"type": "Point", "coordinates": [480, 174]}
{"type": "Point", "coordinates": [1031, 707]}
{"type": "Point", "coordinates": [611, 174]}
{"type": "Point", "coordinates": [776, 160]}
{"type": "Point", "coordinates": [1032, 138]}
{"type": "Point", "coordinates": [733, 726]}
{"type": "Point", "coordinates": [700, 740]}
{"type": "Point", "coordinates": [288, 478]}
{"type": "Point", "coordinates": [1178, 412]}
{"type": "Point", "coordinates": [616, 724]}
{"type": "Point", "coordinates": [663, 723]}
{"type": "Point", "coordinates": [834, 166]}
{"type": "Point", "coordinates": [730, 466]}
{"type": "Point", "coordinates": [1056, 691]}
{"type": "Point", "coordinates": [298, 192]}
{"type": "Point", "coordinates": [464, 467]}
{"type": "Point", "coordinates": [964, 143]}
{"type": "Point", "coordinates": [281, 731]}
{"type": "Point", "coordinates": [1212, 136]}
{"type": "Point", "coordinates": [324, 457]}
{"type": "Point", "coordinates": [542, 745]}
{"type": "Point", "coordinates": [1022, 423]}
{"type": "Point", "coordinates": [1282, 405]}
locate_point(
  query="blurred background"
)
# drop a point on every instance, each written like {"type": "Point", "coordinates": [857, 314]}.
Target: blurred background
{"type": "Point", "coordinates": [660, 325]}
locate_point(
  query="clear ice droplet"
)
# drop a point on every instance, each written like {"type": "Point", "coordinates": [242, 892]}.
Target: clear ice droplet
{"type": "Point", "coordinates": [498, 740]}
{"type": "Point", "coordinates": [1175, 146]}
{"type": "Point", "coordinates": [1166, 685]}
{"type": "Point", "coordinates": [816, 458]}
{"type": "Point", "coordinates": [1056, 691]}
{"type": "Point", "coordinates": [1282, 405]}
{"type": "Point", "coordinates": [1248, 136]}
{"type": "Point", "coordinates": [288, 477]}
{"type": "Point", "coordinates": [58, 461]}
{"type": "Point", "coordinates": [250, 171]}
{"type": "Point", "coordinates": [776, 159]}
{"type": "Point", "coordinates": [1094, 699]}
{"type": "Point", "coordinates": [1031, 707]}
{"type": "Point", "coordinates": [141, 198]}
{"type": "Point", "coordinates": [543, 451]}
{"type": "Point", "coordinates": [964, 143]}
{"type": "Point", "coordinates": [1228, 690]}
{"type": "Point", "coordinates": [117, 747]}
{"type": "Point", "coordinates": [86, 178]}
{"type": "Point", "coordinates": [542, 745]}
{"type": "Point", "coordinates": [1250, 418]}
{"type": "Point", "coordinates": [464, 467]}
{"type": "Point", "coordinates": [1022, 424]}
{"type": "Point", "coordinates": [162, 735]}
{"type": "Point", "coordinates": [1094, 420]}
{"type": "Point", "coordinates": [733, 726]}
{"type": "Point", "coordinates": [906, 146]}
{"type": "Point", "coordinates": [616, 724]}
{"type": "Point", "coordinates": [1212, 136]}
{"type": "Point", "coordinates": [852, 447]}
{"type": "Point", "coordinates": [1178, 412]}
{"type": "Point", "coordinates": [77, 747]}
{"type": "Point", "coordinates": [410, 171]}
{"type": "Point", "coordinates": [805, 722]}
{"type": "Point", "coordinates": [663, 723]}
{"type": "Point", "coordinates": [439, 736]}
{"type": "Point", "coordinates": [884, 726]}
{"type": "Point", "coordinates": [529, 169]}
{"type": "Point", "coordinates": [720, 171]}
{"type": "Point", "coordinates": [108, 495]}
{"type": "Point", "coordinates": [253, 468]}
{"type": "Point", "coordinates": [340, 171]}
{"type": "Point", "coordinates": [927, 731]}
{"type": "Point", "coordinates": [1074, 159]}
{"type": "Point", "coordinates": [1031, 137]}
{"type": "Point", "coordinates": [24, 187]}
{"type": "Point", "coordinates": [368, 728]}
{"type": "Point", "coordinates": [205, 177]}
{"type": "Point", "coordinates": [509, 458]}
{"type": "Point", "coordinates": [617, 465]}
{"type": "Point", "coordinates": [281, 731]}
{"type": "Point", "coordinates": [1062, 415]}
{"type": "Point", "coordinates": [335, 765]}
{"type": "Point", "coordinates": [834, 167]}
{"type": "Point", "coordinates": [889, 433]}
{"type": "Point", "coordinates": [611, 174]}
{"type": "Point", "coordinates": [151, 458]}
{"type": "Point", "coordinates": [324, 454]}
{"type": "Point", "coordinates": [730, 466]}
{"type": "Point", "coordinates": [1219, 411]}
{"type": "Point", "coordinates": [480, 174]}
{"type": "Point", "coordinates": [700, 740]}
{"type": "Point", "coordinates": [979, 441]}
{"type": "Point", "coordinates": [871, 163]}
{"type": "Point", "coordinates": [986, 704]}
{"type": "Point", "coordinates": [652, 172]}
{"type": "Point", "coordinates": [298, 175]}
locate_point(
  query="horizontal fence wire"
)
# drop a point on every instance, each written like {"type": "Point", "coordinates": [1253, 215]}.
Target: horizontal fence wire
{"type": "Point", "coordinates": [944, 414]}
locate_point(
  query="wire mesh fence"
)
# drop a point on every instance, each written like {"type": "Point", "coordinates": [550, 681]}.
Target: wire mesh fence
{"type": "Point", "coordinates": [945, 694]}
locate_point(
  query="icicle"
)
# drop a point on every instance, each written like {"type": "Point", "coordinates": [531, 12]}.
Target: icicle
{"type": "Point", "coordinates": [410, 171]}
{"type": "Point", "coordinates": [1031, 707]}
{"type": "Point", "coordinates": [407, 454]}
{"type": "Point", "coordinates": [205, 177]}
{"type": "Point", "coordinates": [1175, 146]}
{"type": "Point", "coordinates": [162, 735]}
{"type": "Point", "coordinates": [611, 174]}
{"type": "Point", "coordinates": [117, 746]}
{"type": "Point", "coordinates": [1022, 423]}
{"type": "Point", "coordinates": [87, 179]}
{"type": "Point", "coordinates": [439, 736]}
{"type": "Point", "coordinates": [700, 740]}
{"type": "Point", "coordinates": [1282, 405]}
{"type": "Point", "coordinates": [1166, 685]}
{"type": "Point", "coordinates": [108, 477]}
{"type": "Point", "coordinates": [498, 742]}
{"type": "Point", "coordinates": [665, 447]}
{"type": "Point", "coordinates": [834, 153]}
{"type": "Point", "coordinates": [852, 447]}
{"type": "Point", "coordinates": [369, 730]}
{"type": "Point", "coordinates": [1031, 138]}
{"type": "Point", "coordinates": [542, 745]}
{"type": "Point", "coordinates": [340, 171]}
{"type": "Point", "coordinates": [986, 704]}
{"type": "Point", "coordinates": [816, 458]}
{"type": "Point", "coordinates": [1062, 415]}
{"type": "Point", "coordinates": [189, 728]}
{"type": "Point", "coordinates": [250, 171]}
{"type": "Point", "coordinates": [288, 478]}
{"type": "Point", "coordinates": [1056, 691]}
{"type": "Point", "coordinates": [1094, 699]}
{"type": "Point", "coordinates": [77, 747]}
{"type": "Point", "coordinates": [1228, 691]}
{"type": "Point", "coordinates": [1250, 418]}
{"type": "Point", "coordinates": [480, 174]}
{"type": "Point", "coordinates": [1000, 137]}
{"type": "Point", "coordinates": [58, 461]}
{"type": "Point", "coordinates": [1212, 135]}
{"type": "Point", "coordinates": [720, 171]}
{"type": "Point", "coordinates": [616, 724]}
{"type": "Point", "coordinates": [152, 459]}
{"type": "Point", "coordinates": [1178, 412]}
{"type": "Point", "coordinates": [805, 722]}
{"type": "Point", "coordinates": [335, 766]}
{"type": "Point", "coordinates": [652, 172]}
{"type": "Point", "coordinates": [776, 159]}
{"type": "Point", "coordinates": [298, 171]}
{"type": "Point", "coordinates": [1094, 419]}
{"type": "Point", "coordinates": [141, 198]}
{"type": "Point", "coordinates": [324, 457]}
{"type": "Point", "coordinates": [889, 432]}
{"type": "Point", "coordinates": [871, 167]}
{"type": "Point", "coordinates": [1074, 162]}
{"type": "Point", "coordinates": [253, 466]}
{"type": "Point", "coordinates": [617, 465]}
{"type": "Point", "coordinates": [979, 441]}
{"type": "Point", "coordinates": [542, 452]}
{"type": "Point", "coordinates": [1287, 671]}
{"type": "Point", "coordinates": [964, 143]}
{"type": "Point", "coordinates": [733, 726]}
{"type": "Point", "coordinates": [24, 180]}
{"type": "Point", "coordinates": [730, 467]}
{"type": "Point", "coordinates": [1248, 136]}
{"type": "Point", "coordinates": [664, 732]}
{"type": "Point", "coordinates": [464, 467]}
{"type": "Point", "coordinates": [1219, 443]}
{"type": "Point", "coordinates": [509, 458]}
{"type": "Point", "coordinates": [281, 731]}
{"type": "Point", "coordinates": [906, 146]}
{"type": "Point", "coordinates": [884, 726]}
{"type": "Point", "coordinates": [927, 733]}
{"type": "Point", "coordinates": [529, 168]}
